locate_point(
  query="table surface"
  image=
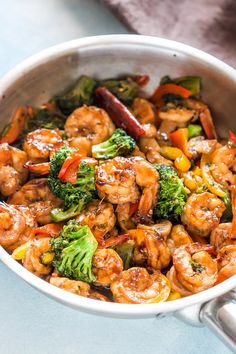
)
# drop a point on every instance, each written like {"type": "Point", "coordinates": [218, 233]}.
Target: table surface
{"type": "Point", "coordinates": [30, 322]}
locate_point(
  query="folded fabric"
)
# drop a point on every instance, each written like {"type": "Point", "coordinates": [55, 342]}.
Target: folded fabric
{"type": "Point", "coordinates": [209, 25]}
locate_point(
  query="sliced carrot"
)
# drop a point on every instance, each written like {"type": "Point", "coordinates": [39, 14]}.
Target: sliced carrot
{"type": "Point", "coordinates": [40, 168]}
{"type": "Point", "coordinates": [115, 240]}
{"type": "Point", "coordinates": [179, 139]}
{"type": "Point", "coordinates": [68, 171]}
{"type": "Point", "coordinates": [52, 230]}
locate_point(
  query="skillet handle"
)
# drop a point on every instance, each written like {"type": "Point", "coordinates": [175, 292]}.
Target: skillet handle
{"type": "Point", "coordinates": [220, 316]}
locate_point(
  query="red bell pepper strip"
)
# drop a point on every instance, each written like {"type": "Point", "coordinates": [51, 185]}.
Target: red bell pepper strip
{"type": "Point", "coordinates": [133, 207]}
{"type": "Point", "coordinates": [169, 88]}
{"type": "Point", "coordinates": [12, 132]}
{"type": "Point", "coordinates": [141, 80]}
{"type": "Point", "coordinates": [115, 240]}
{"type": "Point", "coordinates": [179, 139]}
{"type": "Point", "coordinates": [119, 113]}
{"type": "Point", "coordinates": [68, 171]}
{"type": "Point", "coordinates": [51, 230]}
{"type": "Point", "coordinates": [232, 137]}
{"type": "Point", "coordinates": [207, 123]}
{"type": "Point", "coordinates": [40, 168]}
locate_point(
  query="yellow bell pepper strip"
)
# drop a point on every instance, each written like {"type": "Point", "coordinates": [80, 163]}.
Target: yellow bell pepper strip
{"type": "Point", "coordinates": [174, 295]}
{"type": "Point", "coordinates": [47, 258]}
{"type": "Point", "coordinates": [162, 90]}
{"type": "Point", "coordinates": [13, 130]}
{"type": "Point", "coordinates": [19, 253]}
{"type": "Point", "coordinates": [211, 184]}
{"type": "Point", "coordinates": [181, 162]}
{"type": "Point", "coordinates": [179, 139]}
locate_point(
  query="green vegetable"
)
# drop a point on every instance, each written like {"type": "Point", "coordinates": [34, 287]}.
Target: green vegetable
{"type": "Point", "coordinates": [44, 118]}
{"type": "Point", "coordinates": [192, 83]}
{"type": "Point", "coordinates": [197, 267]}
{"type": "Point", "coordinates": [126, 90]}
{"type": "Point", "coordinates": [74, 250]}
{"type": "Point", "coordinates": [75, 196]}
{"type": "Point", "coordinates": [227, 214]}
{"type": "Point", "coordinates": [119, 144]}
{"type": "Point", "coordinates": [172, 195]}
{"type": "Point", "coordinates": [125, 251]}
{"type": "Point", "coordinates": [78, 95]}
{"type": "Point", "coordinates": [194, 130]}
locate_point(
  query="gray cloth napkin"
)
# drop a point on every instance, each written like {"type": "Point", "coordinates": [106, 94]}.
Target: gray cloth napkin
{"type": "Point", "coordinates": [209, 25]}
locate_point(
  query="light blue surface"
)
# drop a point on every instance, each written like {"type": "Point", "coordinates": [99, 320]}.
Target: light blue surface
{"type": "Point", "coordinates": [30, 323]}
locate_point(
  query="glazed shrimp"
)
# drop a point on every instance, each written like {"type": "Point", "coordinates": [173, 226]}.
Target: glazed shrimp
{"type": "Point", "coordinates": [33, 257]}
{"type": "Point", "coordinates": [196, 270]}
{"type": "Point", "coordinates": [40, 143]}
{"type": "Point", "coordinates": [37, 196]}
{"type": "Point", "coordinates": [163, 228]}
{"type": "Point", "coordinates": [221, 236]}
{"type": "Point", "coordinates": [87, 126]}
{"type": "Point", "coordinates": [151, 148]}
{"type": "Point", "coordinates": [100, 217]}
{"type": "Point", "coordinates": [150, 248]}
{"type": "Point", "coordinates": [107, 265]}
{"type": "Point", "coordinates": [124, 214]}
{"type": "Point", "coordinates": [137, 286]}
{"type": "Point", "coordinates": [143, 110]}
{"type": "Point", "coordinates": [118, 181]}
{"type": "Point", "coordinates": [16, 224]}
{"type": "Point", "coordinates": [202, 213]}
{"type": "Point", "coordinates": [226, 258]}
{"type": "Point", "coordinates": [12, 172]}
{"type": "Point", "coordinates": [73, 286]}
{"type": "Point", "coordinates": [200, 145]}
{"type": "Point", "coordinates": [178, 237]}
{"type": "Point", "coordinates": [223, 167]}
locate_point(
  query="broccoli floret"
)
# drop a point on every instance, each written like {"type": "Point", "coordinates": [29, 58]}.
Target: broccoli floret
{"type": "Point", "coordinates": [75, 196]}
{"type": "Point", "coordinates": [74, 250]}
{"type": "Point", "coordinates": [78, 95]}
{"type": "Point", "coordinates": [172, 195]}
{"type": "Point", "coordinates": [126, 90]}
{"type": "Point", "coordinates": [44, 118]}
{"type": "Point", "coordinates": [119, 144]}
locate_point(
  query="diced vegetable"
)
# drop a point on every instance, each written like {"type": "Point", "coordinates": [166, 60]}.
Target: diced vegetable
{"type": "Point", "coordinates": [13, 130]}
{"type": "Point", "coordinates": [179, 139]}
{"type": "Point", "coordinates": [167, 89]}
{"type": "Point", "coordinates": [40, 168]}
{"type": "Point", "coordinates": [125, 90]}
{"type": "Point", "coordinates": [194, 130]}
{"type": "Point", "coordinates": [19, 253]}
{"type": "Point", "coordinates": [125, 251]}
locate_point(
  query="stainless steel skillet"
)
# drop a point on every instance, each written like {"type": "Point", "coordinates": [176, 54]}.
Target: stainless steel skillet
{"type": "Point", "coordinates": [49, 72]}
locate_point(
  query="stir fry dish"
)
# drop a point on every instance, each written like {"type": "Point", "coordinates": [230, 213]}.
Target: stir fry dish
{"type": "Point", "coordinates": [116, 196]}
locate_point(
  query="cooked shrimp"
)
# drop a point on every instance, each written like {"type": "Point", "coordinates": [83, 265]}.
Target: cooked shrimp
{"type": "Point", "coordinates": [178, 237]}
{"type": "Point", "coordinates": [163, 133]}
{"type": "Point", "coordinates": [143, 110]}
{"type": "Point", "coordinates": [16, 224]}
{"type": "Point", "coordinates": [200, 145]}
{"type": "Point", "coordinates": [40, 143]}
{"type": "Point", "coordinates": [151, 148]}
{"type": "Point", "coordinates": [163, 228]}
{"type": "Point", "coordinates": [117, 181]}
{"type": "Point", "coordinates": [107, 265]}
{"type": "Point", "coordinates": [87, 126]}
{"type": "Point", "coordinates": [180, 115]}
{"type": "Point", "coordinates": [195, 268]}
{"type": "Point", "coordinates": [38, 197]}
{"type": "Point", "coordinates": [202, 213]}
{"type": "Point", "coordinates": [12, 172]}
{"type": "Point", "coordinates": [223, 166]}
{"type": "Point", "coordinates": [100, 217]}
{"type": "Point", "coordinates": [150, 248]}
{"type": "Point", "coordinates": [176, 284]}
{"type": "Point", "coordinates": [226, 258]}
{"type": "Point", "coordinates": [221, 236]}
{"type": "Point", "coordinates": [124, 215]}
{"type": "Point", "coordinates": [98, 296]}
{"type": "Point", "coordinates": [73, 286]}
{"type": "Point", "coordinates": [32, 259]}
{"type": "Point", "coordinates": [137, 286]}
